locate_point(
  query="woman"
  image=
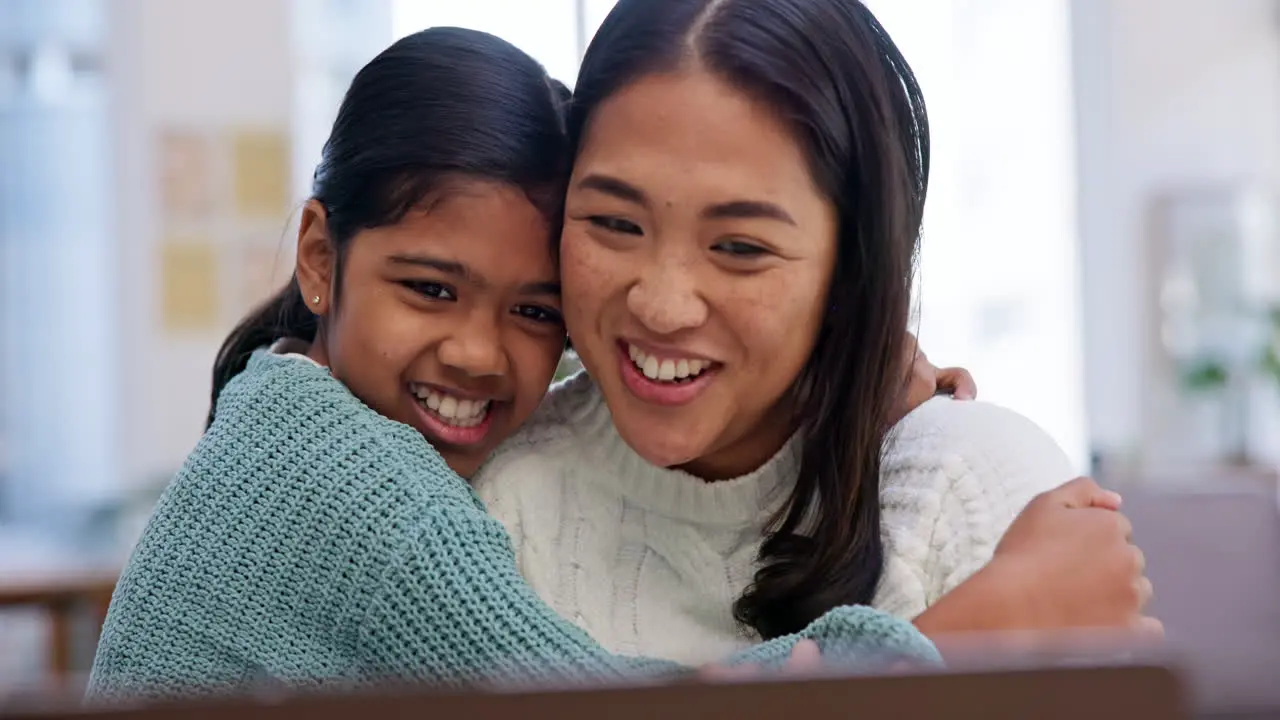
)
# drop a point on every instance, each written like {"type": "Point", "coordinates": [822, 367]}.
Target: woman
{"type": "Point", "coordinates": [740, 234]}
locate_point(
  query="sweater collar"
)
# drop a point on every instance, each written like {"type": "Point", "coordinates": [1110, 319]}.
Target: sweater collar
{"type": "Point", "coordinates": [608, 460]}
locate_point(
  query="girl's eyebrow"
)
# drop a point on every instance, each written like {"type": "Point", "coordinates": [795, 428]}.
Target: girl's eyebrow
{"type": "Point", "coordinates": [462, 272]}
{"type": "Point", "coordinates": [448, 267]}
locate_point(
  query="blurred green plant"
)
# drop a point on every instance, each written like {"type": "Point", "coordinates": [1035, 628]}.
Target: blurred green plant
{"type": "Point", "coordinates": [1205, 375]}
{"type": "Point", "coordinates": [1270, 364]}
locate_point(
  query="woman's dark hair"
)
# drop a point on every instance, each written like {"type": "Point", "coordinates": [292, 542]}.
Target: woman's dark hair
{"type": "Point", "coordinates": [437, 106]}
{"type": "Point", "coordinates": [829, 69]}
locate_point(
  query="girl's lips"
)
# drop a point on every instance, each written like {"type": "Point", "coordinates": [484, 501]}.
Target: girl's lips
{"type": "Point", "coordinates": [439, 429]}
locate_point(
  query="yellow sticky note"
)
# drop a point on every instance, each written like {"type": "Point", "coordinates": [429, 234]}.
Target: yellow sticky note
{"type": "Point", "coordinates": [189, 286]}
{"type": "Point", "coordinates": [260, 172]}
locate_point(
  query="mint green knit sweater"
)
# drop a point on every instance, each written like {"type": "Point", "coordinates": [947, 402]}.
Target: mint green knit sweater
{"type": "Point", "coordinates": [310, 541]}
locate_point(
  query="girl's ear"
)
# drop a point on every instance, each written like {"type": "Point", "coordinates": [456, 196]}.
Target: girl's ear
{"type": "Point", "coordinates": [317, 256]}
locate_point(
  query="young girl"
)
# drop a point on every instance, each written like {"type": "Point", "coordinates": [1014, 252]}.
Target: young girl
{"type": "Point", "coordinates": [312, 537]}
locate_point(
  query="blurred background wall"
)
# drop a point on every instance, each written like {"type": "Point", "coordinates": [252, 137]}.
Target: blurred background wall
{"type": "Point", "coordinates": [1100, 248]}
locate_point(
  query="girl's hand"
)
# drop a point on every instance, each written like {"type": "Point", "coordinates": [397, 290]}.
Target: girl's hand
{"type": "Point", "coordinates": [805, 659]}
{"type": "Point", "coordinates": [1066, 562]}
{"type": "Point", "coordinates": [924, 380]}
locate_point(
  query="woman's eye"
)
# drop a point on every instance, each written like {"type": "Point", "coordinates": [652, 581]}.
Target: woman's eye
{"type": "Point", "coordinates": [433, 290]}
{"type": "Point", "coordinates": [540, 314]}
{"type": "Point", "coordinates": [740, 249]}
{"type": "Point", "coordinates": [613, 224]}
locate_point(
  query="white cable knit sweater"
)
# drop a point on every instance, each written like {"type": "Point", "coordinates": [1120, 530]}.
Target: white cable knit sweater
{"type": "Point", "coordinates": [649, 561]}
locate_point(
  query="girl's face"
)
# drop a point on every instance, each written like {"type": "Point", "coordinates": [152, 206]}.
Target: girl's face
{"type": "Point", "coordinates": [696, 257]}
{"type": "Point", "coordinates": [448, 321]}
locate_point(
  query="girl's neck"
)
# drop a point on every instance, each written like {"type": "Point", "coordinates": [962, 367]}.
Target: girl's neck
{"type": "Point", "coordinates": [316, 351]}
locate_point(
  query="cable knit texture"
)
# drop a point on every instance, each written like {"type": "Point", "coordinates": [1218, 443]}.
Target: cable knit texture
{"type": "Point", "coordinates": [308, 540]}
{"type": "Point", "coordinates": [649, 561]}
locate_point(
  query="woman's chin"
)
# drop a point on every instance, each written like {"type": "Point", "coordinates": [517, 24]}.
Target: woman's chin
{"type": "Point", "coordinates": [667, 448]}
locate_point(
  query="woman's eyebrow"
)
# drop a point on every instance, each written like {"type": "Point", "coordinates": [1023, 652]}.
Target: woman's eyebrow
{"type": "Point", "coordinates": [616, 187]}
{"type": "Point", "coordinates": [747, 210]}
{"type": "Point", "coordinates": [732, 210]}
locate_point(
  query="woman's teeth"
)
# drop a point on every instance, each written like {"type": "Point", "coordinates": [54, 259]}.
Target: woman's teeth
{"type": "Point", "coordinates": [462, 413]}
{"type": "Point", "coordinates": [666, 370]}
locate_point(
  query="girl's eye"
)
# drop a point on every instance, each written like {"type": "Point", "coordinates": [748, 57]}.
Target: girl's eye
{"type": "Point", "coordinates": [740, 249]}
{"type": "Point", "coordinates": [433, 290]}
{"type": "Point", "coordinates": [539, 314]}
{"type": "Point", "coordinates": [613, 224]}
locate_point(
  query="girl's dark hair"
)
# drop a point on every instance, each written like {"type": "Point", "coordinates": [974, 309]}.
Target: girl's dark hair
{"type": "Point", "coordinates": [437, 106]}
{"type": "Point", "coordinates": [829, 69]}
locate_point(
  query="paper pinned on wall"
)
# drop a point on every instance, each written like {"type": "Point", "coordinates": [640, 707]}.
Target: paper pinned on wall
{"type": "Point", "coordinates": [260, 173]}
{"type": "Point", "coordinates": [189, 285]}
{"type": "Point", "coordinates": [185, 174]}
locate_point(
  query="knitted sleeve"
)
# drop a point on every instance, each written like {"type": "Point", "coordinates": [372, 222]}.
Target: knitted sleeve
{"type": "Point", "coordinates": [451, 608]}
{"type": "Point", "coordinates": [953, 478]}
{"type": "Point", "coordinates": [1005, 461]}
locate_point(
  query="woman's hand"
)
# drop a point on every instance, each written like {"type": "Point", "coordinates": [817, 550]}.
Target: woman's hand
{"type": "Point", "coordinates": [1066, 562]}
{"type": "Point", "coordinates": [924, 381]}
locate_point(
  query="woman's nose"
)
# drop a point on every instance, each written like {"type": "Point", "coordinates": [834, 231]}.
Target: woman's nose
{"type": "Point", "coordinates": [666, 300]}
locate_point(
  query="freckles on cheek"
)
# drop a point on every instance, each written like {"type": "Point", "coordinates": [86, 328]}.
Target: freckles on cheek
{"type": "Point", "coordinates": [775, 314]}
{"type": "Point", "coordinates": [586, 277]}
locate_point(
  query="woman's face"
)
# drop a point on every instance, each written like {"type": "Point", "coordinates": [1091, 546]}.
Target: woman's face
{"type": "Point", "coordinates": [448, 321]}
{"type": "Point", "coordinates": [696, 258]}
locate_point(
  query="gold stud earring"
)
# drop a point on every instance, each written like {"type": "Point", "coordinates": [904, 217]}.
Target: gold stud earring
{"type": "Point", "coordinates": [315, 300]}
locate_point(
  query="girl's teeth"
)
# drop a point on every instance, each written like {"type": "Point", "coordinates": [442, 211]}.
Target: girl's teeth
{"type": "Point", "coordinates": [463, 413]}
{"type": "Point", "coordinates": [665, 370]}
{"type": "Point", "coordinates": [448, 407]}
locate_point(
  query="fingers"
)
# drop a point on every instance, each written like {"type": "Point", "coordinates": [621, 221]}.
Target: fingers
{"type": "Point", "coordinates": [1110, 528]}
{"type": "Point", "coordinates": [1144, 590]}
{"type": "Point", "coordinates": [911, 355]}
{"type": "Point", "coordinates": [1083, 492]}
{"type": "Point", "coordinates": [728, 673]}
{"type": "Point", "coordinates": [1139, 560]}
{"type": "Point", "coordinates": [910, 346]}
{"type": "Point", "coordinates": [919, 373]}
{"type": "Point", "coordinates": [1123, 526]}
{"type": "Point", "coordinates": [958, 383]}
{"type": "Point", "coordinates": [806, 657]}
{"type": "Point", "coordinates": [920, 384]}
{"type": "Point", "coordinates": [1149, 627]}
